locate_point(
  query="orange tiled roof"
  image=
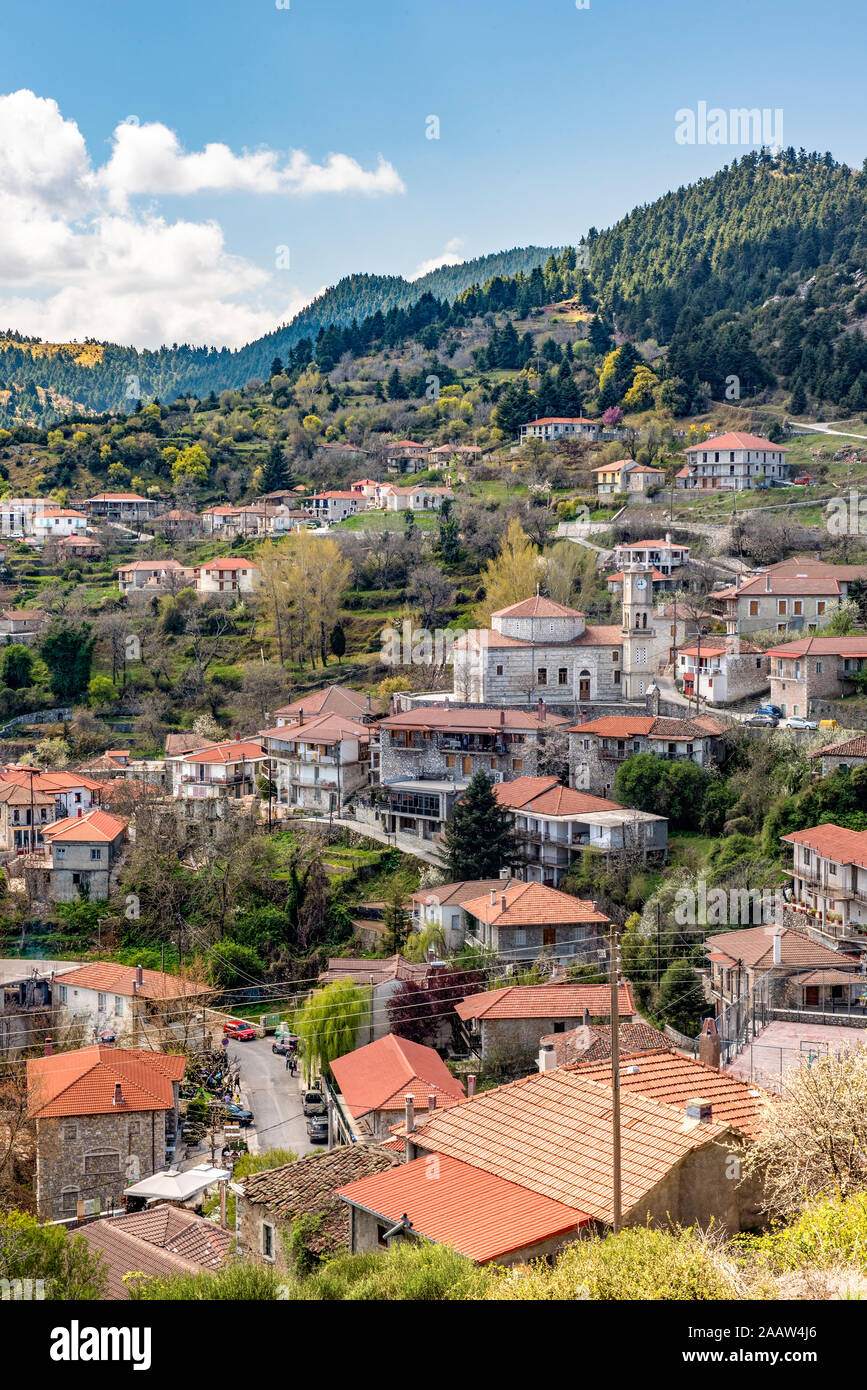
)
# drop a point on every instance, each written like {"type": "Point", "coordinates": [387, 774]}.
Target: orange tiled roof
{"type": "Point", "coordinates": [546, 1001]}
{"type": "Point", "coordinates": [561, 420]}
{"type": "Point", "coordinates": [110, 978]}
{"type": "Point", "coordinates": [851, 747]}
{"type": "Point", "coordinates": [245, 750]}
{"type": "Point", "coordinates": [331, 699]}
{"type": "Point", "coordinates": [822, 646]}
{"type": "Point", "coordinates": [84, 1082]}
{"type": "Point", "coordinates": [629, 726]}
{"type": "Point", "coordinates": [531, 904]}
{"type": "Point", "coordinates": [552, 1133]}
{"type": "Point", "coordinates": [478, 1213]}
{"type": "Point", "coordinates": [471, 721]}
{"type": "Point", "coordinates": [93, 826]}
{"type": "Point", "coordinates": [754, 946]}
{"type": "Point", "coordinates": [447, 894]}
{"type": "Point", "coordinates": [665, 1076]}
{"type": "Point", "coordinates": [379, 1075]}
{"type": "Point", "coordinates": [735, 440]}
{"type": "Point", "coordinates": [322, 728]}
{"type": "Point", "coordinates": [546, 796]}
{"type": "Point", "coordinates": [832, 842]}
{"type": "Point", "coordinates": [373, 971]}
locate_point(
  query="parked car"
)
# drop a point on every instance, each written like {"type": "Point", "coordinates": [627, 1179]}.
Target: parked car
{"type": "Point", "coordinates": [317, 1129]}
{"type": "Point", "coordinates": [285, 1044]}
{"type": "Point", "coordinates": [762, 721]}
{"type": "Point", "coordinates": [238, 1113]}
{"type": "Point", "coordinates": [769, 709]}
{"type": "Point", "coordinates": [803, 480]}
{"type": "Point", "coordinates": [241, 1032]}
{"type": "Point", "coordinates": [798, 721]}
{"type": "Point", "coordinates": [313, 1103]}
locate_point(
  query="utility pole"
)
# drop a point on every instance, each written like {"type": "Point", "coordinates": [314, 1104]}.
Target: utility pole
{"type": "Point", "coordinates": [657, 944]}
{"type": "Point", "coordinates": [615, 1075]}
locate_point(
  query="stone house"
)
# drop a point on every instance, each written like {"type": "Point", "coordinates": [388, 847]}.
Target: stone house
{"type": "Point", "coordinates": [599, 747]}
{"type": "Point", "coordinates": [161, 1242]}
{"type": "Point", "coordinates": [328, 507]}
{"type": "Point", "coordinates": [554, 825]}
{"type": "Point", "coordinates": [511, 1020]}
{"type": "Point", "coordinates": [741, 960]}
{"type": "Point", "coordinates": [524, 1169]}
{"type": "Point", "coordinates": [814, 668]}
{"type": "Point", "coordinates": [732, 461]}
{"type": "Point", "coordinates": [407, 456]}
{"type": "Point", "coordinates": [432, 742]}
{"type": "Point", "coordinates": [82, 856]}
{"type": "Point", "coordinates": [268, 1203]}
{"type": "Point", "coordinates": [21, 626]}
{"type": "Point", "coordinates": [521, 920]}
{"type": "Point", "coordinates": [627, 476]}
{"type": "Point", "coordinates": [121, 506]}
{"type": "Point", "coordinates": [538, 650]}
{"type": "Point", "coordinates": [841, 757]}
{"type": "Point", "coordinates": [553, 427]}
{"type": "Point", "coordinates": [102, 1117]}
{"type": "Point", "coordinates": [777, 602]}
{"type": "Point", "coordinates": [127, 1001]}
{"type": "Point", "coordinates": [723, 671]}
{"type": "Point", "coordinates": [375, 1080]}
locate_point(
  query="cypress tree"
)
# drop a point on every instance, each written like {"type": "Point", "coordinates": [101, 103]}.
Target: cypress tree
{"type": "Point", "coordinates": [477, 840]}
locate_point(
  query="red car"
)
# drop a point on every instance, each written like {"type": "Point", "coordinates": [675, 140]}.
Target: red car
{"type": "Point", "coordinates": [240, 1031]}
{"type": "Point", "coordinates": [804, 480]}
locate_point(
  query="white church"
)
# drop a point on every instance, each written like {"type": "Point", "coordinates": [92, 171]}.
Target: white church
{"type": "Point", "coordinates": [542, 650]}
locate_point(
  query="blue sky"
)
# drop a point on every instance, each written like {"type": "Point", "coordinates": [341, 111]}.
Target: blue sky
{"type": "Point", "coordinates": [551, 119]}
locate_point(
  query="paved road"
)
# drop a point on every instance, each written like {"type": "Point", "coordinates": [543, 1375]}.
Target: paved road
{"type": "Point", "coordinates": [273, 1096]}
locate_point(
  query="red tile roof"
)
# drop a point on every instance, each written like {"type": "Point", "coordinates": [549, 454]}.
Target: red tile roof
{"type": "Point", "coordinates": [374, 971]}
{"type": "Point", "coordinates": [546, 1001]}
{"type": "Point", "coordinates": [532, 904]}
{"type": "Point", "coordinates": [245, 750]}
{"type": "Point", "coordinates": [832, 842]}
{"type": "Point", "coordinates": [775, 584]}
{"type": "Point", "coordinates": [754, 946]}
{"type": "Point", "coordinates": [470, 721]}
{"type": "Point", "coordinates": [850, 748]}
{"type": "Point", "coordinates": [552, 1133]}
{"type": "Point", "coordinates": [95, 826]}
{"type": "Point", "coordinates": [446, 894]}
{"type": "Point", "coordinates": [561, 420]}
{"type": "Point", "coordinates": [650, 545]}
{"type": "Point", "coordinates": [822, 646]}
{"type": "Point", "coordinates": [593, 1042]}
{"type": "Point", "coordinates": [633, 726]}
{"type": "Point", "coordinates": [109, 978]}
{"type": "Point", "coordinates": [227, 564]}
{"type": "Point", "coordinates": [84, 1082]}
{"type": "Point", "coordinates": [331, 699]}
{"type": "Point", "coordinates": [322, 728]}
{"type": "Point", "coordinates": [546, 796]}
{"type": "Point", "coordinates": [483, 1216]}
{"type": "Point", "coordinates": [736, 440]}
{"type": "Point", "coordinates": [379, 1076]}
{"type": "Point", "coordinates": [665, 1076]}
{"type": "Point", "coordinates": [127, 1252]}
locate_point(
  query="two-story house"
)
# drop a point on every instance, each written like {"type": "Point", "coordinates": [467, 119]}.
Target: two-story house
{"type": "Point", "coordinates": [777, 602]}
{"type": "Point", "coordinates": [336, 505]}
{"type": "Point", "coordinates": [126, 1002]}
{"type": "Point", "coordinates": [224, 770]}
{"type": "Point", "coordinates": [519, 921]}
{"type": "Point", "coordinates": [103, 1118]}
{"type": "Point", "coordinates": [599, 747]}
{"type": "Point", "coordinates": [442, 907]}
{"type": "Point", "coordinates": [407, 456]}
{"type": "Point", "coordinates": [415, 499]}
{"type": "Point", "coordinates": [732, 461]}
{"type": "Point", "coordinates": [627, 476]}
{"type": "Point", "coordinates": [56, 524]}
{"type": "Point", "coordinates": [554, 825]}
{"type": "Point", "coordinates": [829, 882]}
{"type": "Point", "coordinates": [318, 764]}
{"type": "Point", "coordinates": [82, 856]}
{"type": "Point", "coordinates": [446, 741]}
{"type": "Point", "coordinates": [813, 669]}
{"type": "Point", "coordinates": [723, 671]}
{"type": "Point", "coordinates": [231, 577]}
{"type": "Point", "coordinates": [792, 969]}
{"type": "Point", "coordinates": [665, 555]}
{"type": "Point", "coordinates": [153, 575]}
{"type": "Point", "coordinates": [128, 507]}
{"type": "Point", "coordinates": [553, 427]}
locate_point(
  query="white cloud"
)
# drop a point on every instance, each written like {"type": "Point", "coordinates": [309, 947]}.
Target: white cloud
{"type": "Point", "coordinates": [149, 159]}
{"type": "Point", "coordinates": [451, 255]}
{"type": "Point", "coordinates": [77, 260]}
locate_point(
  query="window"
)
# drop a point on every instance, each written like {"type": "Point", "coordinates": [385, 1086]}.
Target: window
{"type": "Point", "coordinates": [520, 937]}
{"type": "Point", "coordinates": [60, 851]}
{"type": "Point", "coordinates": [499, 670]}
{"type": "Point", "coordinates": [818, 668]}
{"type": "Point", "coordinates": [100, 1003]}
{"type": "Point", "coordinates": [69, 1201]}
{"type": "Point", "coordinates": [560, 1027]}
{"type": "Point", "coordinates": [267, 1240]}
{"type": "Point", "coordinates": [63, 994]}
{"type": "Point", "coordinates": [542, 676]}
{"type": "Point", "coordinates": [781, 606]}
{"type": "Point", "coordinates": [563, 676]}
{"type": "Point", "coordinates": [380, 1235]}
{"type": "Point", "coordinates": [450, 760]}
{"type": "Point", "coordinates": [754, 608]}
{"type": "Point", "coordinates": [615, 656]}
{"type": "Point", "coordinates": [517, 764]}
{"type": "Point", "coordinates": [118, 1004]}
{"type": "Point", "coordinates": [616, 677]}
{"type": "Point", "coordinates": [95, 853]}
{"type": "Point", "coordinates": [70, 1134]}
{"type": "Point", "coordinates": [798, 607]}
{"type": "Point", "coordinates": [820, 606]}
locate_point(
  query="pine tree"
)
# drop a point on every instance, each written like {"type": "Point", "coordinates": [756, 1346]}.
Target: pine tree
{"type": "Point", "coordinates": [681, 1002]}
{"type": "Point", "coordinates": [478, 840]}
{"type": "Point", "coordinates": [397, 924]}
{"type": "Point", "coordinates": [394, 386]}
{"type": "Point", "coordinates": [274, 472]}
{"type": "Point", "coordinates": [798, 403]}
{"type": "Point", "coordinates": [337, 641]}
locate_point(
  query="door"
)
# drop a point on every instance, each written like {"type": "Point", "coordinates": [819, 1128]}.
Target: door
{"type": "Point", "coordinates": [584, 689]}
{"type": "Point", "coordinates": [468, 767]}
{"type": "Point", "coordinates": [549, 936]}
{"type": "Point", "coordinates": [811, 996]}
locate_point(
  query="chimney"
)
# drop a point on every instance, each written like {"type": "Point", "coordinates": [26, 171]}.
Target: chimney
{"type": "Point", "coordinates": [502, 902]}
{"type": "Point", "coordinates": [502, 717]}
{"type": "Point", "coordinates": [709, 1047]}
{"type": "Point", "coordinates": [541, 708]}
{"type": "Point", "coordinates": [471, 1086]}
{"type": "Point", "coordinates": [139, 976]}
{"type": "Point", "coordinates": [778, 947]}
{"type": "Point", "coordinates": [668, 538]}
{"type": "Point", "coordinates": [631, 1070]}
{"type": "Point", "coordinates": [547, 1060]}
{"type": "Point", "coordinates": [431, 1103]}
{"type": "Point", "coordinates": [493, 897]}
{"type": "Point", "coordinates": [118, 1094]}
{"type": "Point", "coordinates": [700, 1111]}
{"type": "Point", "coordinates": [767, 583]}
{"type": "Point", "coordinates": [446, 705]}
{"type": "Point", "coordinates": [300, 717]}
{"type": "Point", "coordinates": [586, 1018]}
{"type": "Point", "coordinates": [368, 701]}
{"type": "Point", "coordinates": [410, 1114]}
{"type": "Point", "coordinates": [48, 1048]}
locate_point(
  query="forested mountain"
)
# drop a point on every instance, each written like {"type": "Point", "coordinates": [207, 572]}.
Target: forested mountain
{"type": "Point", "coordinates": [756, 274]}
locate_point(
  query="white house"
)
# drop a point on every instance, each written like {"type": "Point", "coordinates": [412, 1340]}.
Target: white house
{"type": "Point", "coordinates": [666, 555]}
{"type": "Point", "coordinates": [415, 499]}
{"type": "Point", "coordinates": [442, 907]}
{"type": "Point", "coordinates": [121, 999]}
{"type": "Point", "coordinates": [318, 764]}
{"type": "Point", "coordinates": [216, 770]}
{"type": "Point", "coordinates": [732, 462]}
{"type": "Point", "coordinates": [229, 576]}
{"type": "Point", "coordinates": [56, 524]}
{"type": "Point", "coordinates": [627, 476]}
{"type": "Point", "coordinates": [723, 670]}
{"type": "Point", "coordinates": [328, 507]}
